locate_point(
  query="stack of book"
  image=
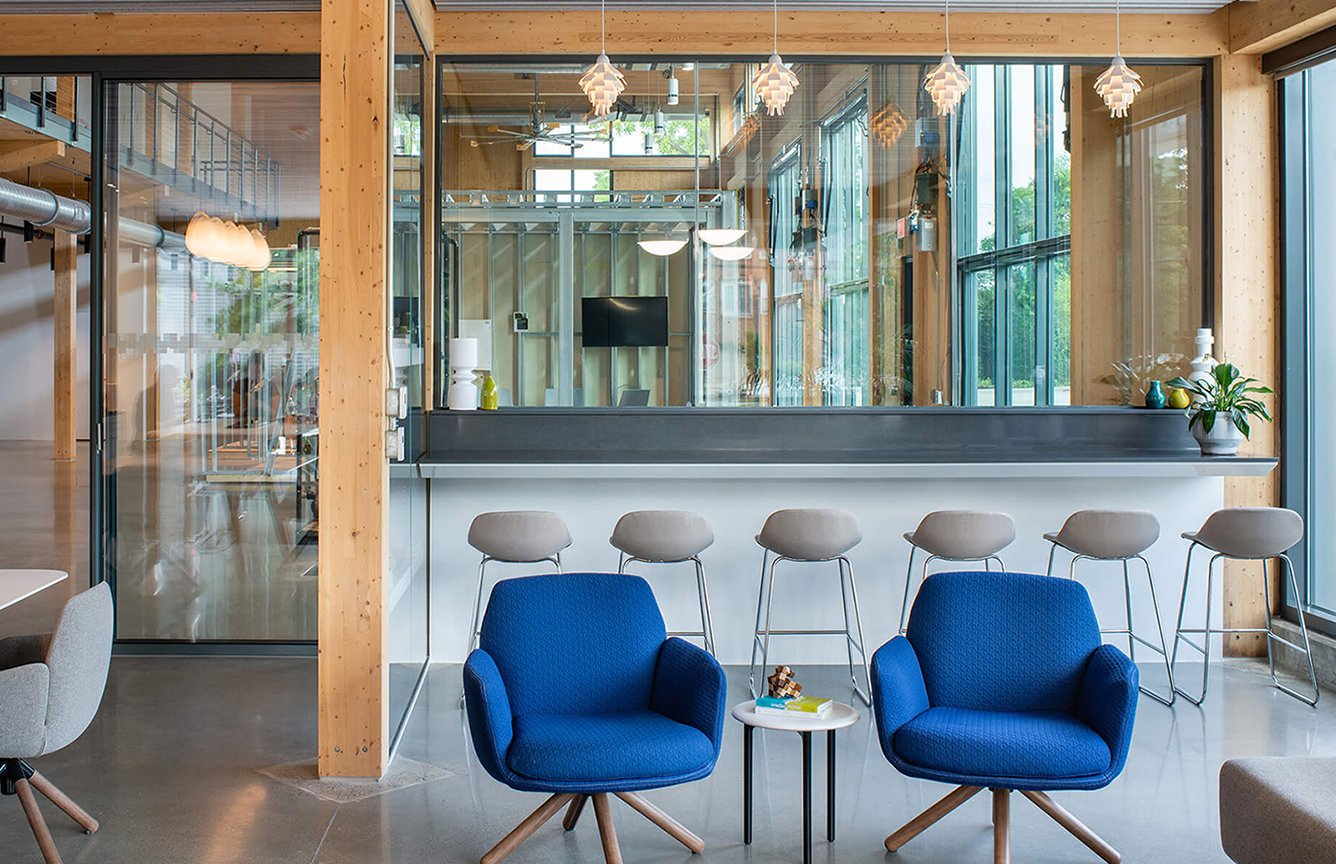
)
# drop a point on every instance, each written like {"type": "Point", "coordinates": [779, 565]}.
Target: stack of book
{"type": "Point", "coordinates": [815, 707]}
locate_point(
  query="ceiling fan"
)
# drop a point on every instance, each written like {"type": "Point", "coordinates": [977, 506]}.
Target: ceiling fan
{"type": "Point", "coordinates": [539, 130]}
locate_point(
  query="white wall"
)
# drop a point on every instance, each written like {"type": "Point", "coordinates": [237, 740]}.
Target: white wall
{"type": "Point", "coordinates": [27, 340]}
{"type": "Point", "coordinates": [808, 595]}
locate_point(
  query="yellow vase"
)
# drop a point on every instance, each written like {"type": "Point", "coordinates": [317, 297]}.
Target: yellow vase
{"type": "Point", "coordinates": [1178, 398]}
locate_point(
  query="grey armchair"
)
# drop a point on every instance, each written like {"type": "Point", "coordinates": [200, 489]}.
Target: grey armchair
{"type": "Point", "coordinates": [50, 689]}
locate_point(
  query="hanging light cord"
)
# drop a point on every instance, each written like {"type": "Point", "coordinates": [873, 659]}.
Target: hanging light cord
{"type": "Point", "coordinates": [776, 27]}
{"type": "Point", "coordinates": [948, 26]}
{"type": "Point", "coordinates": [603, 27]}
{"type": "Point", "coordinates": [1117, 28]}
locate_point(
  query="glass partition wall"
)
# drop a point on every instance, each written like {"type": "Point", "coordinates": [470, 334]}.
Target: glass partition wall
{"type": "Point", "coordinates": [210, 351]}
{"type": "Point", "coordinates": [408, 601]}
{"type": "Point", "coordinates": [856, 250]}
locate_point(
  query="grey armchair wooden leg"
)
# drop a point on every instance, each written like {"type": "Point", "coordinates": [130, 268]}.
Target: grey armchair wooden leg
{"type": "Point", "coordinates": [64, 802]}
{"type": "Point", "coordinates": [35, 820]}
{"type": "Point", "coordinates": [573, 812]}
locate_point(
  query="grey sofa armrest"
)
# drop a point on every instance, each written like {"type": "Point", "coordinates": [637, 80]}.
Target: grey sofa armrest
{"type": "Point", "coordinates": [1278, 810]}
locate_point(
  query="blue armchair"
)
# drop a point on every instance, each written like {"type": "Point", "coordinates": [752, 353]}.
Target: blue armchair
{"type": "Point", "coordinates": [1002, 682]}
{"type": "Point", "coordinates": [576, 691]}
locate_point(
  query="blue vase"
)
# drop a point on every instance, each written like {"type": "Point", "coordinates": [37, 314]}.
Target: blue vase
{"type": "Point", "coordinates": [1155, 395]}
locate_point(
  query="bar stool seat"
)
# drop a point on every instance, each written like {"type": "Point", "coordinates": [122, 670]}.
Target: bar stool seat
{"type": "Point", "coordinates": [668, 537]}
{"type": "Point", "coordinates": [662, 536]}
{"type": "Point", "coordinates": [1117, 535]}
{"type": "Point", "coordinates": [957, 535]}
{"type": "Point", "coordinates": [1246, 534]}
{"type": "Point", "coordinates": [519, 536]}
{"type": "Point", "coordinates": [810, 536]}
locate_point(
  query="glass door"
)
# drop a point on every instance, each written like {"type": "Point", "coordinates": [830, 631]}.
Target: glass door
{"type": "Point", "coordinates": [210, 348]}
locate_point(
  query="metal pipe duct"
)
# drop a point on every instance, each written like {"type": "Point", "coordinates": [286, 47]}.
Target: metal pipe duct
{"type": "Point", "coordinates": [44, 209]}
{"type": "Point", "coordinates": [48, 210]}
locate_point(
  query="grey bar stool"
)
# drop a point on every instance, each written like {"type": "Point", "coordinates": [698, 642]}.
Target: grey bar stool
{"type": "Point", "coordinates": [668, 537]}
{"type": "Point", "coordinates": [1246, 534]}
{"type": "Point", "coordinates": [1117, 535]}
{"type": "Point", "coordinates": [810, 536]}
{"type": "Point", "coordinates": [514, 537]}
{"type": "Point", "coordinates": [957, 535]}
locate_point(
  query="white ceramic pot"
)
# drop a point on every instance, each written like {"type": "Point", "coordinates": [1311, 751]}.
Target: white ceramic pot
{"type": "Point", "coordinates": [1223, 439]}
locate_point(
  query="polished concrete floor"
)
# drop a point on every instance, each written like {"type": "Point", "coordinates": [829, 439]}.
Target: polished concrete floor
{"type": "Point", "coordinates": [171, 767]}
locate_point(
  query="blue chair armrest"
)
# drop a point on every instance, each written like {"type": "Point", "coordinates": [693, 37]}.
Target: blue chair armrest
{"type": "Point", "coordinates": [1108, 700]}
{"type": "Point", "coordinates": [898, 692]}
{"type": "Point", "coordinates": [689, 687]}
{"type": "Point", "coordinates": [488, 706]}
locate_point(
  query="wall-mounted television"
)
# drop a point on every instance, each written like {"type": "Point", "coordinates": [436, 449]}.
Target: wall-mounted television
{"type": "Point", "coordinates": [625, 322]}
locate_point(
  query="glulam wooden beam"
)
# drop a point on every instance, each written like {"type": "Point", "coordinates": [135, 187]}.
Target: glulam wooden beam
{"type": "Point", "coordinates": [354, 475]}
{"type": "Point", "coordinates": [139, 33]}
{"type": "Point", "coordinates": [1255, 27]}
{"type": "Point", "coordinates": [1247, 298]}
{"type": "Point", "coordinates": [66, 299]}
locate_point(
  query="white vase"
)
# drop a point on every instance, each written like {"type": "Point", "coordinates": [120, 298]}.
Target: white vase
{"type": "Point", "coordinates": [1223, 439]}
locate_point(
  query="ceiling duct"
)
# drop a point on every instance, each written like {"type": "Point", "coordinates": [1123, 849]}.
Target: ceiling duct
{"type": "Point", "coordinates": [45, 209]}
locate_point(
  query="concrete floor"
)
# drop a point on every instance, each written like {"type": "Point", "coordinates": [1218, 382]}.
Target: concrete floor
{"type": "Point", "coordinates": [171, 767]}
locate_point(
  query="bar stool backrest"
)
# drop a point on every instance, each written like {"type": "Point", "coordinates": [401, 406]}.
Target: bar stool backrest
{"type": "Point", "coordinates": [1250, 532]}
{"type": "Point", "coordinates": [519, 536]}
{"type": "Point", "coordinates": [662, 535]}
{"type": "Point", "coordinates": [964, 535]}
{"type": "Point", "coordinates": [810, 535]}
{"type": "Point", "coordinates": [1110, 534]}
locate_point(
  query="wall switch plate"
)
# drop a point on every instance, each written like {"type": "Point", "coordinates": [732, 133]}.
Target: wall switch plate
{"type": "Point", "coordinates": [394, 444]}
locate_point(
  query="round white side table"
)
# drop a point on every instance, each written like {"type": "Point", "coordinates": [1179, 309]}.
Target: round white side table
{"type": "Point", "coordinates": [838, 717]}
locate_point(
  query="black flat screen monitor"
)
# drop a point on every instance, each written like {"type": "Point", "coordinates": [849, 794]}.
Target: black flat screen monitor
{"type": "Point", "coordinates": [625, 322]}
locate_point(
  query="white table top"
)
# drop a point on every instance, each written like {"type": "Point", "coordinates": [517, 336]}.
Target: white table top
{"type": "Point", "coordinates": [16, 585]}
{"type": "Point", "coordinates": [838, 717]}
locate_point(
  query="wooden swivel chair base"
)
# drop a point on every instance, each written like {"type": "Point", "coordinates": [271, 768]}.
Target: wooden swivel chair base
{"type": "Point", "coordinates": [574, 805]}
{"type": "Point", "coordinates": [19, 778]}
{"type": "Point", "coordinates": [1001, 822]}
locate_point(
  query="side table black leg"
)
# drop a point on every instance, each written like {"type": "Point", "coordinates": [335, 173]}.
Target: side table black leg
{"type": "Point", "coordinates": [830, 786]}
{"type": "Point", "coordinates": [807, 797]}
{"type": "Point", "coordinates": [747, 783]}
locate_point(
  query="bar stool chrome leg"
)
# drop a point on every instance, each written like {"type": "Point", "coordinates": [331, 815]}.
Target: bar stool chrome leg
{"type": "Point", "coordinates": [1163, 650]}
{"type": "Point", "coordinates": [1180, 629]}
{"type": "Point", "coordinates": [756, 633]}
{"type": "Point", "coordinates": [1287, 566]}
{"type": "Point", "coordinates": [706, 621]}
{"type": "Point", "coordinates": [864, 694]}
{"type": "Point", "coordinates": [909, 577]}
{"type": "Point", "coordinates": [1271, 635]}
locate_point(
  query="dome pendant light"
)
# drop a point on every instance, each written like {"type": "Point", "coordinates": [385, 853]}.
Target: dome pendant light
{"type": "Point", "coordinates": [774, 82]}
{"type": "Point", "coordinates": [603, 82]}
{"type": "Point", "coordinates": [1118, 85]}
{"type": "Point", "coordinates": [947, 82]}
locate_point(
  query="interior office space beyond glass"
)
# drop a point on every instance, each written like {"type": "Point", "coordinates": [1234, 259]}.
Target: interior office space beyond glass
{"type": "Point", "coordinates": [1026, 250]}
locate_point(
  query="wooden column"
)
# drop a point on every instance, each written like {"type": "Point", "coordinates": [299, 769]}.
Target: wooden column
{"type": "Point", "coordinates": [1247, 297]}
{"type": "Point", "coordinates": [354, 474]}
{"type": "Point", "coordinates": [66, 299]}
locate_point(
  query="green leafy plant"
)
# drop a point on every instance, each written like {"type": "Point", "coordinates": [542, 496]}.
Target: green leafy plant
{"type": "Point", "coordinates": [1226, 391]}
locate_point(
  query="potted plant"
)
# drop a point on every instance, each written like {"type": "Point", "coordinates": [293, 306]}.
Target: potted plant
{"type": "Point", "coordinates": [1221, 404]}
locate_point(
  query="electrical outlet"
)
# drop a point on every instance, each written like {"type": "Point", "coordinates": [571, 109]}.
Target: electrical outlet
{"type": "Point", "coordinates": [396, 403]}
{"type": "Point", "coordinates": [394, 444]}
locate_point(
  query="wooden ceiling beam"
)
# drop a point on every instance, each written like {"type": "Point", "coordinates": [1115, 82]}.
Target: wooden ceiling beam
{"type": "Point", "coordinates": [1258, 27]}
{"type": "Point", "coordinates": [143, 33]}
{"type": "Point", "coordinates": [17, 155]}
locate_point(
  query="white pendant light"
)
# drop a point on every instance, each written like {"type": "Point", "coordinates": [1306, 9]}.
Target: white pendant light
{"type": "Point", "coordinates": [731, 253]}
{"type": "Point", "coordinates": [720, 236]}
{"type": "Point", "coordinates": [261, 255]}
{"type": "Point", "coordinates": [662, 248]}
{"type": "Point", "coordinates": [603, 82]}
{"type": "Point", "coordinates": [774, 82]}
{"type": "Point", "coordinates": [195, 232]}
{"type": "Point", "coordinates": [674, 89]}
{"type": "Point", "coordinates": [1118, 85]}
{"type": "Point", "coordinates": [947, 82]}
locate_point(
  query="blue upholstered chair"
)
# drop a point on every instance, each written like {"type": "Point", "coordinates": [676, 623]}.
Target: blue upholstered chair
{"type": "Point", "coordinates": [1002, 683]}
{"type": "Point", "coordinates": [576, 691]}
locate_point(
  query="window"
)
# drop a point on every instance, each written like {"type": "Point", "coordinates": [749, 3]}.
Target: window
{"type": "Point", "coordinates": [1014, 165]}
{"type": "Point", "coordinates": [1027, 250]}
{"type": "Point", "coordinates": [1308, 139]}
